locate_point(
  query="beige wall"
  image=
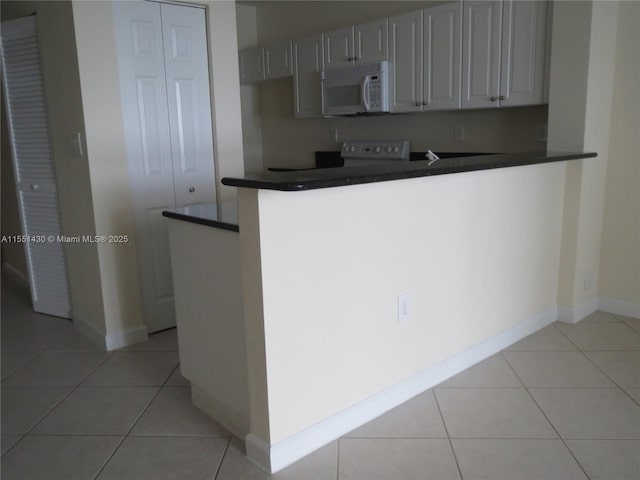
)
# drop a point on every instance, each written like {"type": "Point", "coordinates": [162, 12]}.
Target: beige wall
{"type": "Point", "coordinates": [620, 254]}
{"type": "Point", "coordinates": [12, 253]}
{"type": "Point", "coordinates": [481, 262]}
{"type": "Point", "coordinates": [100, 88]}
{"type": "Point", "coordinates": [588, 62]}
{"type": "Point", "coordinates": [287, 141]}
{"type": "Point", "coordinates": [249, 94]}
{"type": "Point", "coordinates": [225, 93]}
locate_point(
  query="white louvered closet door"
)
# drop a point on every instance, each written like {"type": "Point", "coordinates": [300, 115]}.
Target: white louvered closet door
{"type": "Point", "coordinates": [33, 164]}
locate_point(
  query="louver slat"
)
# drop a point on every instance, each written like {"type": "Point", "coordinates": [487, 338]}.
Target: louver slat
{"type": "Point", "coordinates": [33, 159]}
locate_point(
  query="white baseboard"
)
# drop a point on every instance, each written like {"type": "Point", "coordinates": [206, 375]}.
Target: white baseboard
{"type": "Point", "coordinates": [110, 341]}
{"type": "Point", "coordinates": [576, 313]}
{"type": "Point", "coordinates": [273, 458]}
{"type": "Point", "coordinates": [619, 307]}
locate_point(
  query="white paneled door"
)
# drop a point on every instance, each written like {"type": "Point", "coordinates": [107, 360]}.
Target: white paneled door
{"type": "Point", "coordinates": [164, 79]}
{"type": "Point", "coordinates": [34, 167]}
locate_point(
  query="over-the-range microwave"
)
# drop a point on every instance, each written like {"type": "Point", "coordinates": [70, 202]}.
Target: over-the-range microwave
{"type": "Point", "coordinates": [358, 89]}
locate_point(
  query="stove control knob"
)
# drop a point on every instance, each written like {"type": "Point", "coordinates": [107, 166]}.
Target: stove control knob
{"type": "Point", "coordinates": [396, 149]}
{"type": "Point", "coordinates": [378, 149]}
{"type": "Point", "coordinates": [353, 148]}
{"type": "Point", "coordinates": [389, 149]}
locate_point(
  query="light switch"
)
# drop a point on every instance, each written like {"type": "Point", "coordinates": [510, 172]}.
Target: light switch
{"type": "Point", "coordinates": [75, 142]}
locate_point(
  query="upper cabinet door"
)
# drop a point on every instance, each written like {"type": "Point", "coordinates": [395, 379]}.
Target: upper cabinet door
{"type": "Point", "coordinates": [307, 65]}
{"type": "Point", "coordinates": [338, 48]}
{"type": "Point", "coordinates": [481, 53]}
{"type": "Point", "coordinates": [405, 62]}
{"type": "Point", "coordinates": [523, 52]}
{"type": "Point", "coordinates": [251, 65]}
{"type": "Point", "coordinates": [277, 61]}
{"type": "Point", "coordinates": [442, 56]}
{"type": "Point", "coordinates": [372, 41]}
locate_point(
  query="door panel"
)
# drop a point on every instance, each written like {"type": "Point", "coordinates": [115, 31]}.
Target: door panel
{"type": "Point", "coordinates": [338, 48]}
{"type": "Point", "coordinates": [308, 63]}
{"type": "Point", "coordinates": [372, 41]}
{"type": "Point", "coordinates": [405, 62]}
{"type": "Point", "coordinates": [442, 56]}
{"type": "Point", "coordinates": [523, 55]}
{"type": "Point", "coordinates": [278, 61]}
{"type": "Point", "coordinates": [189, 103]}
{"type": "Point", "coordinates": [144, 103]}
{"type": "Point", "coordinates": [481, 53]}
{"type": "Point", "coordinates": [34, 167]}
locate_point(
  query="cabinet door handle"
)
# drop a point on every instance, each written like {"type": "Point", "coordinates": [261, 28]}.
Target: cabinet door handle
{"type": "Point", "coordinates": [501, 97]}
{"type": "Point", "coordinates": [425, 103]}
{"type": "Point", "coordinates": [418, 104]}
{"type": "Point", "coordinates": [493, 99]}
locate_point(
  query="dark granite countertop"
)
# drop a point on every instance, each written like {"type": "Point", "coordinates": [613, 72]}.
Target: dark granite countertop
{"type": "Point", "coordinates": [225, 217]}
{"type": "Point", "coordinates": [337, 177]}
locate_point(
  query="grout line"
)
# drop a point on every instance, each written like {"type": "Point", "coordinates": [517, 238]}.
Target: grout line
{"type": "Point", "coordinates": [549, 421]}
{"type": "Point", "coordinates": [15, 443]}
{"type": "Point", "coordinates": [610, 378]}
{"type": "Point", "coordinates": [446, 430]}
{"type": "Point", "coordinates": [126, 435]}
{"type": "Point", "coordinates": [224, 454]}
{"type": "Point", "coordinates": [338, 458]}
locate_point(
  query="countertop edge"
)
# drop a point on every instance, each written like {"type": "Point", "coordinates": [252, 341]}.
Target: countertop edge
{"type": "Point", "coordinates": [362, 175]}
{"type": "Point", "coordinates": [201, 221]}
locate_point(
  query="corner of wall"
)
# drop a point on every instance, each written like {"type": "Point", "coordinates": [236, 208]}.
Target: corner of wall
{"type": "Point", "coordinates": [581, 87]}
{"type": "Point", "coordinates": [108, 170]}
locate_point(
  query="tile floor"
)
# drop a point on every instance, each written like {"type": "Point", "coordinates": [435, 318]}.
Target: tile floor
{"type": "Point", "coordinates": [561, 404]}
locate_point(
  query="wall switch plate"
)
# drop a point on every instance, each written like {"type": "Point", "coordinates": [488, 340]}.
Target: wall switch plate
{"type": "Point", "coordinates": [404, 301]}
{"type": "Point", "coordinates": [75, 144]}
{"type": "Point", "coordinates": [458, 133]}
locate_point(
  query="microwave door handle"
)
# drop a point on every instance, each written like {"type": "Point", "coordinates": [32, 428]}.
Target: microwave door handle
{"type": "Point", "coordinates": [364, 93]}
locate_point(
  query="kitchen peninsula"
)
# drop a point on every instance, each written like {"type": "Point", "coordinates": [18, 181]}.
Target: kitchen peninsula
{"type": "Point", "coordinates": [299, 315]}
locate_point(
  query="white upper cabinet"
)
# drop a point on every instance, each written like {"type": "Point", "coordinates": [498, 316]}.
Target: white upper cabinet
{"type": "Point", "coordinates": [251, 65]}
{"type": "Point", "coordinates": [405, 62]}
{"type": "Point", "coordinates": [462, 54]}
{"type": "Point", "coordinates": [523, 52]}
{"type": "Point", "coordinates": [338, 48]}
{"type": "Point", "coordinates": [372, 41]}
{"type": "Point", "coordinates": [503, 53]}
{"type": "Point", "coordinates": [425, 54]}
{"type": "Point", "coordinates": [481, 53]}
{"type": "Point", "coordinates": [364, 43]}
{"type": "Point", "coordinates": [442, 56]}
{"type": "Point", "coordinates": [307, 66]}
{"type": "Point", "coordinates": [278, 61]}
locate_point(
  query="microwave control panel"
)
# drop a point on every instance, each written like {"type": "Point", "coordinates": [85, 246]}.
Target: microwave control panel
{"type": "Point", "coordinates": [372, 149]}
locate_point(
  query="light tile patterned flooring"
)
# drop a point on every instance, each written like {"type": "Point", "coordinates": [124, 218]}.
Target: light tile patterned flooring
{"type": "Point", "coordinates": [561, 404]}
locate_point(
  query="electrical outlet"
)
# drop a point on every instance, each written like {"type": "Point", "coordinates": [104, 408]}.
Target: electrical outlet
{"type": "Point", "coordinates": [404, 301]}
{"type": "Point", "coordinates": [458, 133]}
{"type": "Point", "coordinates": [542, 133]}
{"type": "Point", "coordinates": [589, 280]}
